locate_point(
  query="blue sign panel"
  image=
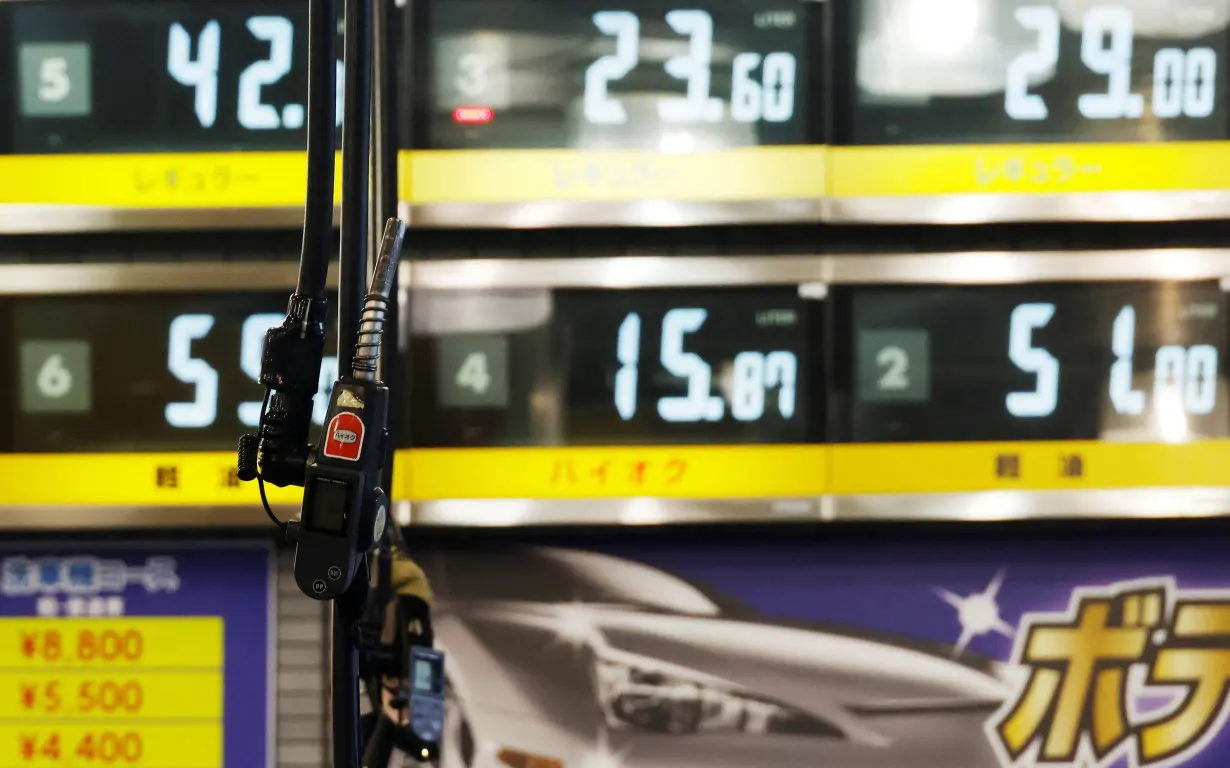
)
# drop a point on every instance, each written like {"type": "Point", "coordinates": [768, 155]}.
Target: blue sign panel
{"type": "Point", "coordinates": [993, 650]}
{"type": "Point", "coordinates": [156, 655]}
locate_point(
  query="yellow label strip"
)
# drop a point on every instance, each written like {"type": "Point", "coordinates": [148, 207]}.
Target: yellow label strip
{"type": "Point", "coordinates": [131, 479]}
{"type": "Point", "coordinates": [1027, 168]}
{"type": "Point", "coordinates": [191, 180]}
{"type": "Point", "coordinates": [728, 472]}
{"type": "Point", "coordinates": [524, 175]}
{"type": "Point", "coordinates": [698, 472]}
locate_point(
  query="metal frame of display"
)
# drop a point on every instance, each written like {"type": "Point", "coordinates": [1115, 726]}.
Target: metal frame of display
{"type": "Point", "coordinates": [813, 274]}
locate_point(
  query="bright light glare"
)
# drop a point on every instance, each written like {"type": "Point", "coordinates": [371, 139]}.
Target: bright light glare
{"type": "Point", "coordinates": [942, 29]}
{"type": "Point", "coordinates": [576, 626]}
{"type": "Point", "coordinates": [1171, 416]}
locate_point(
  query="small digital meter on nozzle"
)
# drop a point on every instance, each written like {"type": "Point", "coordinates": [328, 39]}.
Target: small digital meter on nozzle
{"type": "Point", "coordinates": [427, 693]}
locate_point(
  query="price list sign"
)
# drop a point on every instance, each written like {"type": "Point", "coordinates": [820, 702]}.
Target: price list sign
{"type": "Point", "coordinates": [155, 657]}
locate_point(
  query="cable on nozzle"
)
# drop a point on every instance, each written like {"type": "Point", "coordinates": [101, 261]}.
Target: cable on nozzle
{"type": "Point", "coordinates": [375, 309]}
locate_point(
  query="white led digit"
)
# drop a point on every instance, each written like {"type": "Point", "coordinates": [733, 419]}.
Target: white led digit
{"type": "Point", "coordinates": [625, 27]}
{"type": "Point", "coordinates": [1113, 22]}
{"type": "Point", "coordinates": [1168, 86]}
{"type": "Point", "coordinates": [895, 362]}
{"type": "Point", "coordinates": [1199, 79]}
{"type": "Point", "coordinates": [694, 67]}
{"type": "Point", "coordinates": [779, 71]}
{"type": "Point", "coordinates": [628, 352]}
{"type": "Point", "coordinates": [698, 404]}
{"type": "Point", "coordinates": [1021, 350]}
{"type": "Point", "coordinates": [473, 75]}
{"type": "Point", "coordinates": [203, 410]}
{"type": "Point", "coordinates": [746, 97]}
{"type": "Point", "coordinates": [54, 84]}
{"type": "Point", "coordinates": [251, 349]}
{"type": "Point", "coordinates": [200, 73]}
{"type": "Point", "coordinates": [1019, 103]}
{"type": "Point", "coordinates": [1200, 391]}
{"type": "Point", "coordinates": [774, 101]}
{"type": "Point", "coordinates": [747, 388]}
{"type": "Point", "coordinates": [279, 33]}
{"type": "Point", "coordinates": [780, 370]}
{"type": "Point", "coordinates": [339, 101]}
{"type": "Point", "coordinates": [1169, 369]}
{"type": "Point", "coordinates": [1126, 400]}
{"type": "Point", "coordinates": [472, 374]}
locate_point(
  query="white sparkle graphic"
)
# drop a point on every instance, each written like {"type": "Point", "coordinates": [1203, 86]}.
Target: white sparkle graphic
{"type": "Point", "coordinates": [978, 613]}
{"type": "Point", "coordinates": [602, 755]}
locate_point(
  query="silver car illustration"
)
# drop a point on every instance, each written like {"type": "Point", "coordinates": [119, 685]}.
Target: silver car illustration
{"type": "Point", "coordinates": [562, 658]}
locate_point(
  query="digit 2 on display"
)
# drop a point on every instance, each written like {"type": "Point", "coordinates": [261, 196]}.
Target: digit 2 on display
{"type": "Point", "coordinates": [1130, 361]}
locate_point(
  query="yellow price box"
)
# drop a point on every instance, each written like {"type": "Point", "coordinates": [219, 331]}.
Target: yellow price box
{"type": "Point", "coordinates": [42, 696]}
{"type": "Point", "coordinates": [68, 746]}
{"type": "Point", "coordinates": [171, 642]}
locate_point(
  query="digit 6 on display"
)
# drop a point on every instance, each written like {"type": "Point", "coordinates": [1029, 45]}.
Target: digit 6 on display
{"type": "Point", "coordinates": [53, 379]}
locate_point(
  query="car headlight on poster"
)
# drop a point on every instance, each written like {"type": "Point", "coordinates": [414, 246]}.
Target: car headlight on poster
{"type": "Point", "coordinates": [638, 692]}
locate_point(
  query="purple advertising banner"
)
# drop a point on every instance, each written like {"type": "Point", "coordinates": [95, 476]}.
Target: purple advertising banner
{"type": "Point", "coordinates": [887, 651]}
{"type": "Point", "coordinates": [142, 654]}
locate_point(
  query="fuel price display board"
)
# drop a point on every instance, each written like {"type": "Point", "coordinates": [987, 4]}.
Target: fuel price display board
{"type": "Point", "coordinates": [144, 394]}
{"type": "Point", "coordinates": [773, 392]}
{"type": "Point", "coordinates": [641, 112]}
{"type": "Point", "coordinates": [137, 104]}
{"type": "Point", "coordinates": [650, 377]}
{"type": "Point", "coordinates": [157, 655]}
{"type": "Point", "coordinates": [1069, 383]}
{"type": "Point", "coordinates": [1039, 106]}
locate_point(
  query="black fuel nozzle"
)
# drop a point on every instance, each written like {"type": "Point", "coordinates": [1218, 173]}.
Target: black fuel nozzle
{"type": "Point", "coordinates": [290, 372]}
{"type": "Point", "coordinates": [344, 513]}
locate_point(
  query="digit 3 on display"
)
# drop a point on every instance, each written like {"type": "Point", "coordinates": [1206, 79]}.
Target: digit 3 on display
{"type": "Point", "coordinates": [150, 107]}
{"type": "Point", "coordinates": [706, 109]}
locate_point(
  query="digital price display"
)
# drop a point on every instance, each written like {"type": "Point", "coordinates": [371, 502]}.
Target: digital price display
{"type": "Point", "coordinates": [624, 368]}
{"type": "Point", "coordinates": [1037, 97]}
{"type": "Point", "coordinates": [125, 103]}
{"type": "Point", "coordinates": [1114, 362]}
{"type": "Point", "coordinates": [580, 393]}
{"type": "Point", "coordinates": [151, 656]}
{"type": "Point", "coordinates": [573, 105]}
{"type": "Point", "coordinates": [153, 375]}
{"type": "Point", "coordinates": [774, 392]}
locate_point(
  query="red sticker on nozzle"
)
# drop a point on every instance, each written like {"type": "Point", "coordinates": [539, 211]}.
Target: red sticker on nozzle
{"type": "Point", "coordinates": [344, 437]}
